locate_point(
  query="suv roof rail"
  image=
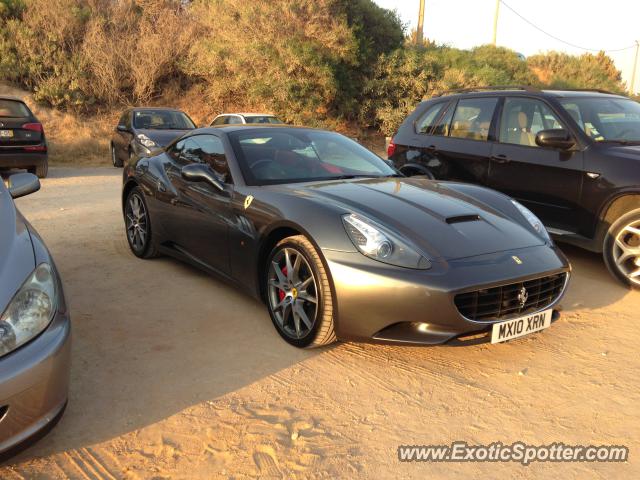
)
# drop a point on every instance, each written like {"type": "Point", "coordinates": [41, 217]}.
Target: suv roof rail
{"type": "Point", "coordinates": [527, 88]}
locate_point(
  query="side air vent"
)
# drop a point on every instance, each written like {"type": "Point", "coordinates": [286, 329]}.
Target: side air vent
{"type": "Point", "coordinates": [463, 218]}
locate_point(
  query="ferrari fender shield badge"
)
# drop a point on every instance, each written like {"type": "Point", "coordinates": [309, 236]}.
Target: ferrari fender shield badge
{"type": "Point", "coordinates": [517, 260]}
{"type": "Point", "coordinates": [247, 201]}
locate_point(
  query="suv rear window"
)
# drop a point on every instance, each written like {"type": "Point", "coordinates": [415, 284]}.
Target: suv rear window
{"type": "Point", "coordinates": [426, 123]}
{"type": "Point", "coordinates": [13, 109]}
{"type": "Point", "coordinates": [473, 118]}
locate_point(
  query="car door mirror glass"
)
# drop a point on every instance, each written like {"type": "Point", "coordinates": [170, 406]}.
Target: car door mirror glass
{"type": "Point", "coordinates": [554, 138]}
{"type": "Point", "coordinates": [198, 172]}
{"type": "Point", "coordinates": [122, 128]}
{"type": "Point", "coordinates": [22, 184]}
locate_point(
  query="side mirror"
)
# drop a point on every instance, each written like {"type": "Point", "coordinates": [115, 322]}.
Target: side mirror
{"type": "Point", "coordinates": [199, 172]}
{"type": "Point", "coordinates": [22, 184]}
{"type": "Point", "coordinates": [122, 128]}
{"type": "Point", "coordinates": [554, 138]}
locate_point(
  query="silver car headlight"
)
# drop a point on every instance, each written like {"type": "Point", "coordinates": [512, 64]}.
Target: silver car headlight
{"type": "Point", "coordinates": [376, 242]}
{"type": "Point", "coordinates": [145, 141]}
{"type": "Point", "coordinates": [533, 220]}
{"type": "Point", "coordinates": [30, 311]}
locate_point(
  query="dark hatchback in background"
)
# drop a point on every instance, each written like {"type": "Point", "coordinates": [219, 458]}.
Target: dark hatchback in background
{"type": "Point", "coordinates": [22, 140]}
{"type": "Point", "coordinates": [572, 157]}
{"type": "Point", "coordinates": [34, 327]}
{"type": "Point", "coordinates": [142, 130]}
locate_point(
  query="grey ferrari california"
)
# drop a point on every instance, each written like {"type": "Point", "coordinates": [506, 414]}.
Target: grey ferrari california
{"type": "Point", "coordinates": [34, 327]}
{"type": "Point", "coordinates": [338, 244]}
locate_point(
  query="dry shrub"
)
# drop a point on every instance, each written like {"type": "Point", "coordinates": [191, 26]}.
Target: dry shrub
{"type": "Point", "coordinates": [131, 47]}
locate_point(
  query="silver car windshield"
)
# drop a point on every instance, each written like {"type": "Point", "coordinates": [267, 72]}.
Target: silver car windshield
{"type": "Point", "coordinates": [272, 155]}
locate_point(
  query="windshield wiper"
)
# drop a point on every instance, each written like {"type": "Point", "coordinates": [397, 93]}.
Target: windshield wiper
{"type": "Point", "coordinates": [351, 177]}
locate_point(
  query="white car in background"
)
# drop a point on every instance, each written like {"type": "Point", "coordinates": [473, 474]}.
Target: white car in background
{"type": "Point", "coordinates": [245, 118]}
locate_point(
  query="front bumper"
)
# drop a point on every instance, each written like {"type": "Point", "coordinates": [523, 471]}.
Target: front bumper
{"type": "Point", "coordinates": [34, 382]}
{"type": "Point", "coordinates": [19, 159]}
{"type": "Point", "coordinates": [378, 302]}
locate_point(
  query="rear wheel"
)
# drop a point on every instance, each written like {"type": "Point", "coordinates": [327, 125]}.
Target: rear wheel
{"type": "Point", "coordinates": [138, 225]}
{"type": "Point", "coordinates": [298, 294]}
{"type": "Point", "coordinates": [621, 249]}
{"type": "Point", "coordinates": [40, 170]}
{"type": "Point", "coordinates": [117, 162]}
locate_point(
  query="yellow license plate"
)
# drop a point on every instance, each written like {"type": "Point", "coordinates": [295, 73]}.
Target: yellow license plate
{"type": "Point", "coordinates": [6, 133]}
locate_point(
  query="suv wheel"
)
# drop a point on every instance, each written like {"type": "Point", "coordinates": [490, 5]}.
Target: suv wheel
{"type": "Point", "coordinates": [622, 249]}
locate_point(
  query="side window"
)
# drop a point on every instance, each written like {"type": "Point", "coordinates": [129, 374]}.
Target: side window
{"type": "Point", "coordinates": [234, 120]}
{"type": "Point", "coordinates": [219, 121]}
{"type": "Point", "coordinates": [426, 123]}
{"type": "Point", "coordinates": [211, 151]}
{"type": "Point", "coordinates": [444, 124]}
{"type": "Point", "coordinates": [523, 118]}
{"type": "Point", "coordinates": [185, 151]}
{"type": "Point", "coordinates": [472, 118]}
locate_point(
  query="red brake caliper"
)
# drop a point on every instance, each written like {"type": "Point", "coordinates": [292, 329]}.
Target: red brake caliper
{"type": "Point", "coordinates": [281, 293]}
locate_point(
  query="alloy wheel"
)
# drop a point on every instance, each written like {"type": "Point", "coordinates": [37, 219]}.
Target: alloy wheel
{"type": "Point", "coordinates": [137, 222]}
{"type": "Point", "coordinates": [626, 251]}
{"type": "Point", "coordinates": [292, 293]}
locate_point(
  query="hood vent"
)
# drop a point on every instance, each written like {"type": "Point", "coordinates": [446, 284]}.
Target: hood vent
{"type": "Point", "coordinates": [463, 218]}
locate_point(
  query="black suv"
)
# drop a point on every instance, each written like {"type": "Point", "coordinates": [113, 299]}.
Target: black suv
{"type": "Point", "coordinates": [571, 157]}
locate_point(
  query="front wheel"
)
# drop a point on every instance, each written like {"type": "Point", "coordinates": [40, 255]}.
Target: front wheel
{"type": "Point", "coordinates": [621, 249]}
{"type": "Point", "coordinates": [138, 225]}
{"type": "Point", "coordinates": [298, 294]}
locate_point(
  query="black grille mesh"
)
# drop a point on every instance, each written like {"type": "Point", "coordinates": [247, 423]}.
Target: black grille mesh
{"type": "Point", "coordinates": [505, 301]}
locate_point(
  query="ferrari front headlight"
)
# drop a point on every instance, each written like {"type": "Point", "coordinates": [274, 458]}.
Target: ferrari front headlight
{"type": "Point", "coordinates": [376, 242]}
{"type": "Point", "coordinates": [535, 222]}
{"type": "Point", "coordinates": [30, 311]}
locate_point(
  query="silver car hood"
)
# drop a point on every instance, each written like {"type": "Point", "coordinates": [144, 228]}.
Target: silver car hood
{"type": "Point", "coordinates": [17, 259]}
{"type": "Point", "coordinates": [441, 221]}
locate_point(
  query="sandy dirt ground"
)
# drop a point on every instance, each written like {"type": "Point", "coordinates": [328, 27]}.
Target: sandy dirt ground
{"type": "Point", "coordinates": [177, 375]}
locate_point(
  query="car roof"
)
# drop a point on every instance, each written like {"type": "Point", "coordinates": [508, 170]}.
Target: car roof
{"type": "Point", "coordinates": [527, 91]}
{"type": "Point", "coordinates": [247, 114]}
{"type": "Point", "coordinates": [253, 126]}
{"type": "Point", "coordinates": [141, 109]}
{"type": "Point", "coordinates": [12, 98]}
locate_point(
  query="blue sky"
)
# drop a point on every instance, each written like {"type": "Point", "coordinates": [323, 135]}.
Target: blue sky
{"type": "Point", "coordinates": [585, 23]}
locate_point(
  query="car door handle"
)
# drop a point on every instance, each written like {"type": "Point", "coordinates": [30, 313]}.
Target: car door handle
{"type": "Point", "coordinates": [431, 149]}
{"type": "Point", "coordinates": [500, 158]}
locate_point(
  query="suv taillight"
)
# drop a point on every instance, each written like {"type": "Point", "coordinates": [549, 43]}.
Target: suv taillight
{"type": "Point", "coordinates": [391, 149]}
{"type": "Point", "coordinates": [34, 127]}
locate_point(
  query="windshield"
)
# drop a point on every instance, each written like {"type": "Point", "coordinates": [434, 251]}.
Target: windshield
{"type": "Point", "coordinates": [162, 120]}
{"type": "Point", "coordinates": [13, 109]}
{"type": "Point", "coordinates": [606, 119]}
{"type": "Point", "coordinates": [274, 155]}
{"type": "Point", "coordinates": [263, 119]}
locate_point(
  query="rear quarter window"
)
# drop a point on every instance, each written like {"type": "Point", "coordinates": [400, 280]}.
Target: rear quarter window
{"type": "Point", "coordinates": [13, 109]}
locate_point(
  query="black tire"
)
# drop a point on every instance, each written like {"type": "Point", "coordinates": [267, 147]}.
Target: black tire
{"type": "Point", "coordinates": [41, 170]}
{"type": "Point", "coordinates": [115, 160]}
{"type": "Point", "coordinates": [619, 247]}
{"type": "Point", "coordinates": [137, 223]}
{"type": "Point", "coordinates": [321, 331]}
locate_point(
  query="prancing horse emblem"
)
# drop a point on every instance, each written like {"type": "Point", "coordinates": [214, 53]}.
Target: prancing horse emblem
{"type": "Point", "coordinates": [523, 296]}
{"type": "Point", "coordinates": [247, 201]}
